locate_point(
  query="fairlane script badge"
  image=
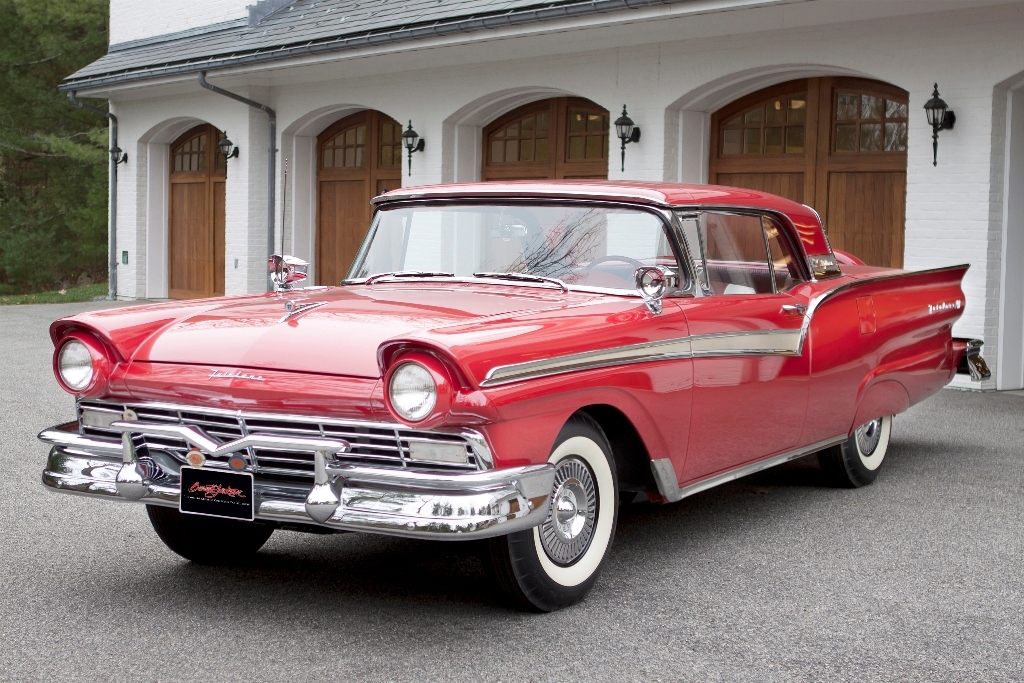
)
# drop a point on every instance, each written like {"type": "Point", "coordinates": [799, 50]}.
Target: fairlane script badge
{"type": "Point", "coordinates": [220, 374]}
{"type": "Point", "coordinates": [945, 306]}
{"type": "Point", "coordinates": [216, 493]}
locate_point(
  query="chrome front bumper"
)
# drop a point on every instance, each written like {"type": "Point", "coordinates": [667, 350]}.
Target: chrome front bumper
{"type": "Point", "coordinates": [401, 502]}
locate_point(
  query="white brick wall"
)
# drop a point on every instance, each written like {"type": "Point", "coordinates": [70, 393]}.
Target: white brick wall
{"type": "Point", "coordinates": [137, 19]}
{"type": "Point", "coordinates": [668, 72]}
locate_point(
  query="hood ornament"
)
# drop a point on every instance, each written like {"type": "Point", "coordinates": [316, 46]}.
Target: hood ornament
{"type": "Point", "coordinates": [285, 271]}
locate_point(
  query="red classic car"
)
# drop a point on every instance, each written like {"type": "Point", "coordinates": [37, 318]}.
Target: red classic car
{"type": "Point", "coordinates": [506, 361]}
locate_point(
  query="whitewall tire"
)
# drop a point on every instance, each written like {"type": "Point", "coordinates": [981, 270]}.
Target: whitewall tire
{"type": "Point", "coordinates": [857, 460]}
{"type": "Point", "coordinates": [556, 564]}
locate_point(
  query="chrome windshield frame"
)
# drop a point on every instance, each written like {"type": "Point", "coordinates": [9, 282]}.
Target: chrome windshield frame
{"type": "Point", "coordinates": [666, 216]}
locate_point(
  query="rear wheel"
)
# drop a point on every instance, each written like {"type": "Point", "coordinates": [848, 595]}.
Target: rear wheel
{"type": "Point", "coordinates": [208, 540]}
{"type": "Point", "coordinates": [557, 563]}
{"type": "Point", "coordinates": [857, 461]}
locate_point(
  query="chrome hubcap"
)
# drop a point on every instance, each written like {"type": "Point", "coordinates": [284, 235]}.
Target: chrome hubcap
{"type": "Point", "coordinates": [566, 533]}
{"type": "Point", "coordinates": [868, 435]}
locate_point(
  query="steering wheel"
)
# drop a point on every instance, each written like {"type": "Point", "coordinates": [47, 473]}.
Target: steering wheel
{"type": "Point", "coordinates": [611, 259]}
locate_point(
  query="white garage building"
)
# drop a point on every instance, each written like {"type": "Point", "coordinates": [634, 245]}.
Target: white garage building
{"type": "Point", "coordinates": [818, 100]}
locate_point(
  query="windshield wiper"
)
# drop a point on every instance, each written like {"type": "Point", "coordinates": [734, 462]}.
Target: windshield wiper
{"type": "Point", "coordinates": [407, 273]}
{"type": "Point", "coordinates": [523, 277]}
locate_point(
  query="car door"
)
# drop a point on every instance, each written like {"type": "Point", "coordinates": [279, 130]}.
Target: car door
{"type": "Point", "coordinates": [750, 379]}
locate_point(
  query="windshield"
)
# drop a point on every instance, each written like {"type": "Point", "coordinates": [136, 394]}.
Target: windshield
{"type": "Point", "coordinates": [588, 246]}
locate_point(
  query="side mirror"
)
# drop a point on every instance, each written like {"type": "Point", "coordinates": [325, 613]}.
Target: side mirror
{"type": "Point", "coordinates": [287, 270]}
{"type": "Point", "coordinates": [653, 283]}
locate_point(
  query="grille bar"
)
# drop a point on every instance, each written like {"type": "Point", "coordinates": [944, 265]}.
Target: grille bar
{"type": "Point", "coordinates": [373, 444]}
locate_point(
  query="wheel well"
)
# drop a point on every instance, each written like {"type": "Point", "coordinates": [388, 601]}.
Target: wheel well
{"type": "Point", "coordinates": [632, 461]}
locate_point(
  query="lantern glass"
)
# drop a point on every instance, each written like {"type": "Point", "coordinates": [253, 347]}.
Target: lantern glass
{"type": "Point", "coordinates": [411, 138]}
{"type": "Point", "coordinates": [225, 146]}
{"type": "Point", "coordinates": [624, 126]}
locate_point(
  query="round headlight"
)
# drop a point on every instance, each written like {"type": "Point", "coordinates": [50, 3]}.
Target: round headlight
{"type": "Point", "coordinates": [413, 391]}
{"type": "Point", "coordinates": [75, 365]}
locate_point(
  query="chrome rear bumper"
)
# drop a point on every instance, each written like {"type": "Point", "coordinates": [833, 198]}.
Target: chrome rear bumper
{"type": "Point", "coordinates": [401, 502]}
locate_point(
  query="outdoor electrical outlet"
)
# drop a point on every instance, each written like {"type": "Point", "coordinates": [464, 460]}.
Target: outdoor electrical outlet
{"type": "Point", "coordinates": [124, 257]}
{"type": "Point", "coordinates": [236, 263]}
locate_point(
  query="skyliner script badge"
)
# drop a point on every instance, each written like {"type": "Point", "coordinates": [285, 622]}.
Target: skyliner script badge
{"type": "Point", "coordinates": [220, 374]}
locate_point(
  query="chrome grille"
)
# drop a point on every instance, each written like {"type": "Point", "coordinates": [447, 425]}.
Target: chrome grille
{"type": "Point", "coordinates": [372, 444]}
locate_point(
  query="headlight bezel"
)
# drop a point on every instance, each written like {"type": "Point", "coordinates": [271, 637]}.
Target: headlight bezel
{"type": "Point", "coordinates": [99, 359]}
{"type": "Point", "coordinates": [438, 374]}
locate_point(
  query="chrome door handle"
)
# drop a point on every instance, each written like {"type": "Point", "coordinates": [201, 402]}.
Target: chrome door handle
{"type": "Point", "coordinates": [791, 309]}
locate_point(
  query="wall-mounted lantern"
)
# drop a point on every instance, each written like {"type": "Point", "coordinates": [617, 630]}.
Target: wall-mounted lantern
{"type": "Point", "coordinates": [118, 155]}
{"type": "Point", "coordinates": [939, 118]}
{"type": "Point", "coordinates": [627, 131]}
{"type": "Point", "coordinates": [227, 148]}
{"type": "Point", "coordinates": [413, 143]}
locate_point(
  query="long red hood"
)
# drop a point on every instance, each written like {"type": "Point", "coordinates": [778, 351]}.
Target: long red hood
{"type": "Point", "coordinates": [339, 335]}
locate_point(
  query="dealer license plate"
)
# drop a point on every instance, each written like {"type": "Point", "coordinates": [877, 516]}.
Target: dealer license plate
{"type": "Point", "coordinates": [206, 491]}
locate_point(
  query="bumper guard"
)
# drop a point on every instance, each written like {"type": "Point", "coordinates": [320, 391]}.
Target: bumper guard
{"type": "Point", "coordinates": [400, 502]}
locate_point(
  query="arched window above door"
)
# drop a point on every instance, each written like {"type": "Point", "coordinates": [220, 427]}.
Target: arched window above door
{"type": "Point", "coordinates": [190, 155]}
{"type": "Point", "coordinates": [775, 126]}
{"type": "Point", "coordinates": [563, 137]}
{"type": "Point", "coordinates": [868, 122]}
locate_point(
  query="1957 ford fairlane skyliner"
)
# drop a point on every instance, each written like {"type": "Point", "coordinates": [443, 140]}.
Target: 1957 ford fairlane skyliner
{"type": "Point", "coordinates": [506, 361]}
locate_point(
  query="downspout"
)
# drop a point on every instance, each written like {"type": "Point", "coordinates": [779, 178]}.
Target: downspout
{"type": "Point", "coordinates": [271, 171]}
{"type": "Point", "coordinates": [112, 213]}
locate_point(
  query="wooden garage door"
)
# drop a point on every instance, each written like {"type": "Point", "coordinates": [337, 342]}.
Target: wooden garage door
{"type": "Point", "coordinates": [837, 144]}
{"type": "Point", "coordinates": [562, 137]}
{"type": "Point", "coordinates": [196, 221]}
{"type": "Point", "coordinates": [359, 157]}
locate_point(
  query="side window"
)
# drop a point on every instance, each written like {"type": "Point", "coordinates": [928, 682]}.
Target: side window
{"type": "Point", "coordinates": [740, 254]}
{"type": "Point", "coordinates": [784, 261]}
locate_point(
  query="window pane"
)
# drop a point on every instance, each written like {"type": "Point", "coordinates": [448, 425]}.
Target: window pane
{"type": "Point", "coordinates": [797, 110]}
{"type": "Point", "coordinates": [577, 122]}
{"type": "Point", "coordinates": [870, 107]}
{"type": "Point", "coordinates": [595, 123]}
{"type": "Point", "coordinates": [339, 157]}
{"type": "Point", "coordinates": [511, 150]}
{"type": "Point", "coordinates": [795, 140]}
{"type": "Point", "coordinates": [595, 145]}
{"type": "Point", "coordinates": [870, 137]}
{"type": "Point", "coordinates": [896, 137]}
{"type": "Point", "coordinates": [776, 112]}
{"type": "Point", "coordinates": [783, 262]}
{"type": "Point", "coordinates": [846, 107]}
{"type": "Point", "coordinates": [576, 147]}
{"type": "Point", "coordinates": [540, 149]}
{"type": "Point", "coordinates": [737, 262]}
{"type": "Point", "coordinates": [386, 131]}
{"type": "Point", "coordinates": [554, 241]}
{"type": "Point", "coordinates": [361, 135]}
{"type": "Point", "coordinates": [512, 131]}
{"type": "Point", "coordinates": [526, 150]}
{"type": "Point", "coordinates": [735, 121]}
{"type": "Point", "coordinates": [528, 126]}
{"type": "Point", "coordinates": [895, 110]}
{"type": "Point", "coordinates": [754, 116]}
{"type": "Point", "coordinates": [773, 140]}
{"type": "Point", "coordinates": [497, 151]}
{"type": "Point", "coordinates": [752, 141]}
{"type": "Point", "coordinates": [731, 141]}
{"type": "Point", "coordinates": [846, 137]}
{"type": "Point", "coordinates": [542, 123]}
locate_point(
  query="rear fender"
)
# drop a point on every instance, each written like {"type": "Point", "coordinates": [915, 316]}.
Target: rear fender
{"type": "Point", "coordinates": [887, 397]}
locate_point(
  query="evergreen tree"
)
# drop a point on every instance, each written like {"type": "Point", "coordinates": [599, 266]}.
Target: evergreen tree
{"type": "Point", "coordinates": [53, 156]}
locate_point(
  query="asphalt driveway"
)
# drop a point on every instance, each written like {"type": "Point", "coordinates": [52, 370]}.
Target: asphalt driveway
{"type": "Point", "coordinates": [771, 578]}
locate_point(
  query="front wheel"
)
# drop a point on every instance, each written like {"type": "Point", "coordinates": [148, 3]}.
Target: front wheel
{"type": "Point", "coordinates": [555, 564]}
{"type": "Point", "coordinates": [208, 540]}
{"type": "Point", "coordinates": [857, 461]}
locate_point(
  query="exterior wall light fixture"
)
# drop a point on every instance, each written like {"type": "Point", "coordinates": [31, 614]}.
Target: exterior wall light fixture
{"type": "Point", "coordinates": [413, 143]}
{"type": "Point", "coordinates": [939, 118]}
{"type": "Point", "coordinates": [118, 155]}
{"type": "Point", "coordinates": [227, 148]}
{"type": "Point", "coordinates": [627, 131]}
